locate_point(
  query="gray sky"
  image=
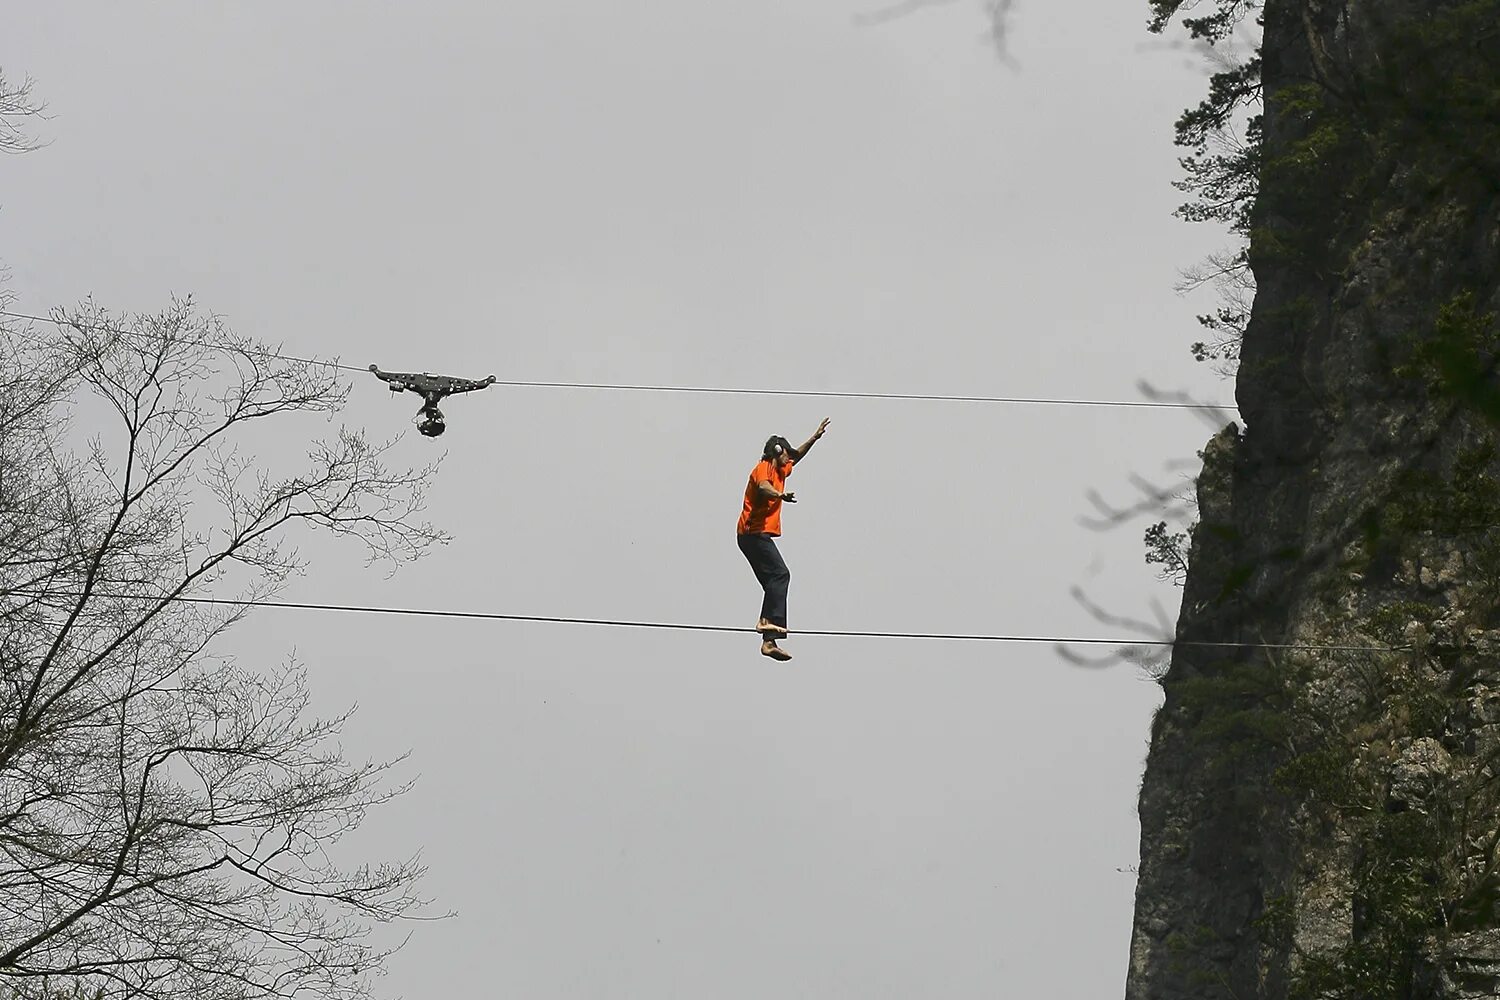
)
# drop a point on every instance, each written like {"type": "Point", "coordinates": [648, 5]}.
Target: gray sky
{"type": "Point", "coordinates": [757, 195]}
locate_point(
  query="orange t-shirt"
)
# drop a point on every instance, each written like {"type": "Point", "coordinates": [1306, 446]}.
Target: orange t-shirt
{"type": "Point", "coordinates": [761, 514]}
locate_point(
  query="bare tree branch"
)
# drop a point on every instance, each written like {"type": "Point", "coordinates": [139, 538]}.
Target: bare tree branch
{"type": "Point", "coordinates": [996, 12]}
{"type": "Point", "coordinates": [165, 814]}
{"type": "Point", "coordinates": [19, 110]}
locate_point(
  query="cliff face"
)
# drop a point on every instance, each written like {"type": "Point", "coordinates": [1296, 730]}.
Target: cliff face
{"type": "Point", "coordinates": [1324, 822]}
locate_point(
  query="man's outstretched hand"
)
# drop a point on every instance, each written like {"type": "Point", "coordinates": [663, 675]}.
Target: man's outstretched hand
{"type": "Point", "coordinates": [789, 497]}
{"type": "Point", "coordinates": [799, 453]}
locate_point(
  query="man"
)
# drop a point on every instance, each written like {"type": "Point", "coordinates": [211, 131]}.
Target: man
{"type": "Point", "coordinates": [760, 525]}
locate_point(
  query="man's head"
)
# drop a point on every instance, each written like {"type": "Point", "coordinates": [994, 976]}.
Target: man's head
{"type": "Point", "coordinates": [778, 449]}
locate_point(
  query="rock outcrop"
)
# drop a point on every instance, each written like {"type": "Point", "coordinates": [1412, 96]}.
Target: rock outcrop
{"type": "Point", "coordinates": [1319, 812]}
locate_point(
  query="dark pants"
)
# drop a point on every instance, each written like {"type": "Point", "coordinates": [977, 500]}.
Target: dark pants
{"type": "Point", "coordinates": [772, 573]}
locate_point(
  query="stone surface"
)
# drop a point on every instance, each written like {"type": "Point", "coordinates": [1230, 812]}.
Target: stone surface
{"type": "Point", "coordinates": [1419, 773]}
{"type": "Point", "coordinates": [1286, 504]}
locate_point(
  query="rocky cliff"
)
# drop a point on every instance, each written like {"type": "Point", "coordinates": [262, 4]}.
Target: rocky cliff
{"type": "Point", "coordinates": [1321, 806]}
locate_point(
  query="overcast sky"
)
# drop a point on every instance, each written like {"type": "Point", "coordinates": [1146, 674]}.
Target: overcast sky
{"type": "Point", "coordinates": [753, 195]}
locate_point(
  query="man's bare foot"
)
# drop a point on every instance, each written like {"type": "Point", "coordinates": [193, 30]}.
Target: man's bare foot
{"type": "Point", "coordinates": [775, 652]}
{"type": "Point", "coordinates": [766, 628]}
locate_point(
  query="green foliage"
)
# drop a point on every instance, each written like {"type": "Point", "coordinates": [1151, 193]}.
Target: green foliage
{"type": "Point", "coordinates": [1319, 172]}
{"type": "Point", "coordinates": [1466, 500]}
{"type": "Point", "coordinates": [1278, 920]}
{"type": "Point", "coordinates": [1211, 27]}
{"type": "Point", "coordinates": [1446, 64]}
{"type": "Point", "coordinates": [1169, 550]}
{"type": "Point", "coordinates": [1458, 358]}
{"type": "Point", "coordinates": [1222, 168]}
{"type": "Point", "coordinates": [1227, 324]}
{"type": "Point", "coordinates": [1462, 504]}
{"type": "Point", "coordinates": [1388, 622]}
{"type": "Point", "coordinates": [1319, 776]}
{"type": "Point", "coordinates": [1398, 904]}
{"type": "Point", "coordinates": [1240, 709]}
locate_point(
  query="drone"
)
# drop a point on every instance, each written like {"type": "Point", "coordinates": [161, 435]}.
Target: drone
{"type": "Point", "coordinates": [431, 388]}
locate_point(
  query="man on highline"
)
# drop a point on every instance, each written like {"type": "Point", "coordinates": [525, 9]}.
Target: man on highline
{"type": "Point", "coordinates": [760, 525]}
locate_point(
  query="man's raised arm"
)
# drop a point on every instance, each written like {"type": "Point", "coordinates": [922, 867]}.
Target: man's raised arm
{"type": "Point", "coordinates": [807, 445]}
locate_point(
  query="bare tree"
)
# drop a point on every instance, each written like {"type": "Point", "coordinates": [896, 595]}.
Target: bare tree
{"type": "Point", "coordinates": [18, 110]}
{"type": "Point", "coordinates": [167, 815]}
{"type": "Point", "coordinates": [1228, 272]}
